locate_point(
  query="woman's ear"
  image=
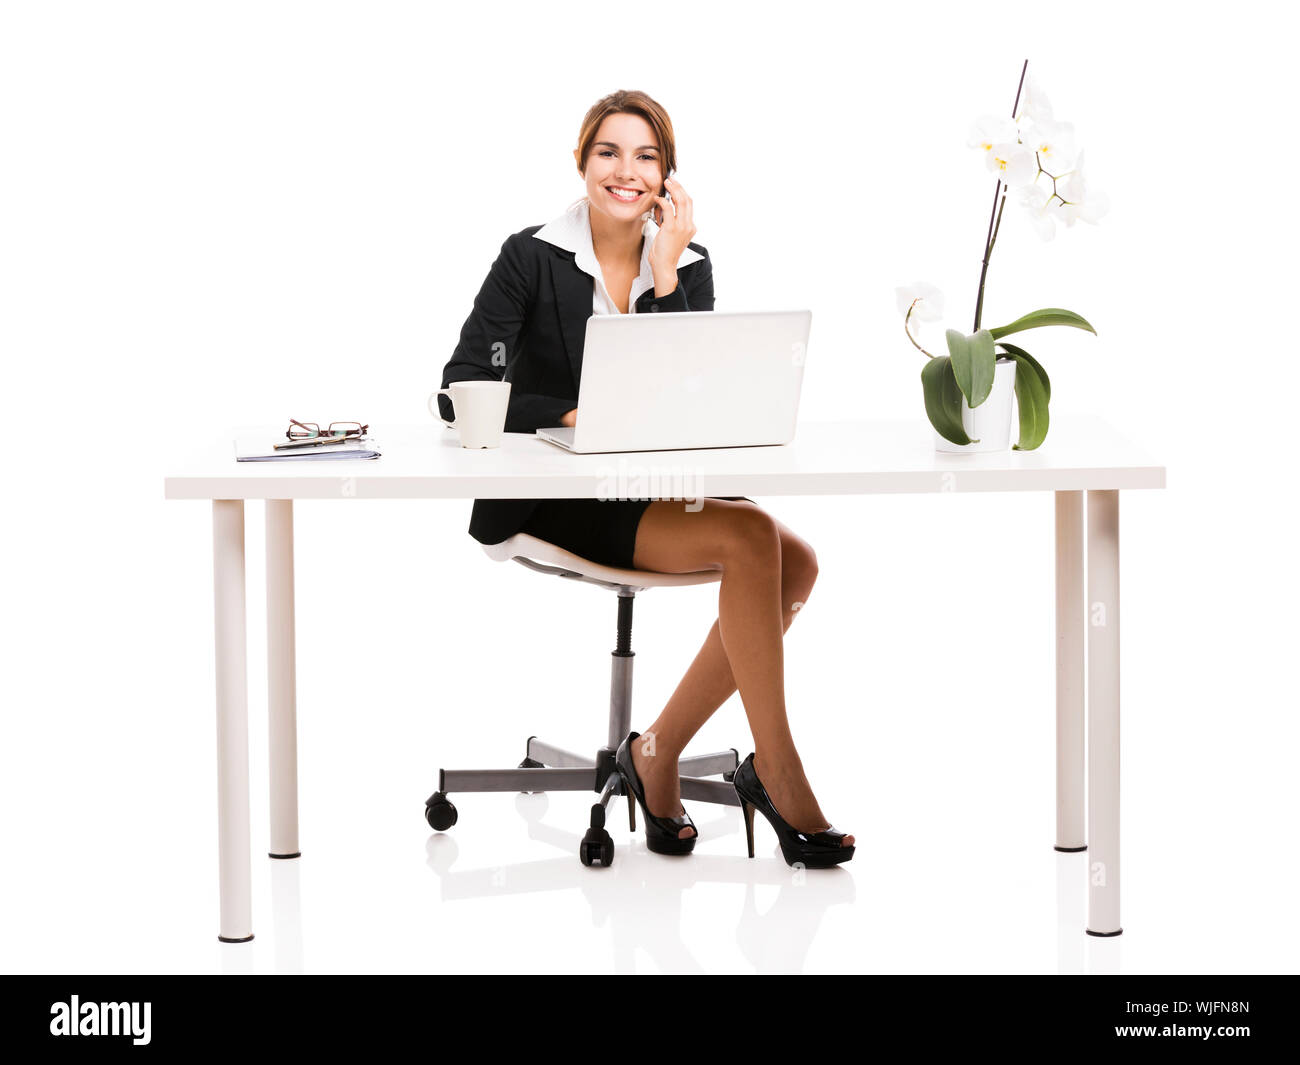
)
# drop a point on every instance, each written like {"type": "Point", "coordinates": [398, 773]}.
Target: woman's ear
{"type": "Point", "coordinates": [577, 159]}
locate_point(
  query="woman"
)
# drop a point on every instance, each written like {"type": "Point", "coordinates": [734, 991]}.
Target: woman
{"type": "Point", "coordinates": [625, 248]}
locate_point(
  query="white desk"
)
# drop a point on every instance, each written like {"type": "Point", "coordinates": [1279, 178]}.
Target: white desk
{"type": "Point", "coordinates": [1082, 456]}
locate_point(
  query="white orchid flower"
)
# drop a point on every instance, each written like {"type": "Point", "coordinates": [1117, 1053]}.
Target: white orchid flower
{"type": "Point", "coordinates": [1034, 199]}
{"type": "Point", "coordinates": [1013, 163]}
{"type": "Point", "coordinates": [1053, 142]}
{"type": "Point", "coordinates": [922, 299]}
{"type": "Point", "coordinates": [1034, 105]}
{"type": "Point", "coordinates": [1025, 131]}
{"type": "Point", "coordinates": [988, 130]}
{"type": "Point", "coordinates": [1083, 203]}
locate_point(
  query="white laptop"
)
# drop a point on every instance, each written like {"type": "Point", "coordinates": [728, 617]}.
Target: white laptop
{"type": "Point", "coordinates": [688, 379]}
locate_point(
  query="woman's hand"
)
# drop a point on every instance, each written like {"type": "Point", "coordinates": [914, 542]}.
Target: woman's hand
{"type": "Point", "coordinates": [676, 220]}
{"type": "Point", "coordinates": [570, 419]}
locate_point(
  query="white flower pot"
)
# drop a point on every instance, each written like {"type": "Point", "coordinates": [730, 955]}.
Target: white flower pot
{"type": "Point", "coordinates": [990, 422]}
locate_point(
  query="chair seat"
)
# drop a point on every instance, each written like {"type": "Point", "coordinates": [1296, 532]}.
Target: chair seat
{"type": "Point", "coordinates": [545, 557]}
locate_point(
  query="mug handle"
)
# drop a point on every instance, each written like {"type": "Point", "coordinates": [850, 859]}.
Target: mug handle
{"type": "Point", "coordinates": [437, 413]}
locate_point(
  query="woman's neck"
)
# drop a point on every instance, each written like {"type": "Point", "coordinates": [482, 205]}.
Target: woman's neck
{"type": "Point", "coordinates": [615, 241]}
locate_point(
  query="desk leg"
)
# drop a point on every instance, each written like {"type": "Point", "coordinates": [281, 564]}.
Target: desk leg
{"type": "Point", "coordinates": [1103, 713]}
{"type": "Point", "coordinates": [1070, 613]}
{"type": "Point", "coordinates": [281, 671]}
{"type": "Point", "coordinates": [232, 720]}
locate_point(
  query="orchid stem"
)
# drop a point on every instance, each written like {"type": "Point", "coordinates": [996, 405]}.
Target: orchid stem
{"type": "Point", "coordinates": [909, 333]}
{"type": "Point", "coordinates": [991, 236]}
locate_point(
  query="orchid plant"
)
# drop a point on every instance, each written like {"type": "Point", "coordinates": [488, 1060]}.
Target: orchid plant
{"type": "Point", "coordinates": [1020, 151]}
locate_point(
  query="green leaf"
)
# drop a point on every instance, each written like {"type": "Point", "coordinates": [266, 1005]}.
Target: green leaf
{"type": "Point", "coordinates": [1011, 349]}
{"type": "Point", "coordinates": [943, 399]}
{"type": "Point", "coordinates": [1046, 316]}
{"type": "Point", "coordinates": [1031, 398]}
{"type": "Point", "coordinates": [973, 363]}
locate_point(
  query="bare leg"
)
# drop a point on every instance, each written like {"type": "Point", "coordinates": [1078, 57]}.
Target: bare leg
{"type": "Point", "coordinates": [759, 595]}
{"type": "Point", "coordinates": [709, 683]}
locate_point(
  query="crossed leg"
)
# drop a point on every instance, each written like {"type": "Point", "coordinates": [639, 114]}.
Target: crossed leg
{"type": "Point", "coordinates": [767, 574]}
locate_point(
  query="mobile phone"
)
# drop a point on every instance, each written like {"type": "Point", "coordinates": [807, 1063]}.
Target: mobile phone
{"type": "Point", "coordinates": [659, 207]}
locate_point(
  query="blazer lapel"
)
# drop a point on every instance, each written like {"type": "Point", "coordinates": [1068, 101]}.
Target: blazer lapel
{"type": "Point", "coordinates": [573, 295]}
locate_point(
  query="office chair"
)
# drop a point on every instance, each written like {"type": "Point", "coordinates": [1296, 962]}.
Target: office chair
{"type": "Point", "coordinates": [549, 768]}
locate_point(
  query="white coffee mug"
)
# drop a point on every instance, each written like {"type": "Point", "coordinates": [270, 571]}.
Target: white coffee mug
{"type": "Point", "coordinates": [480, 410]}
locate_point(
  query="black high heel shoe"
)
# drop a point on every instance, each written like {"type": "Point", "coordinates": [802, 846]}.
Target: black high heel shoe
{"type": "Point", "coordinates": [661, 833]}
{"type": "Point", "coordinates": [819, 850]}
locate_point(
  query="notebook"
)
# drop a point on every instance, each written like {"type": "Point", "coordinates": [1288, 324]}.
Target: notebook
{"type": "Point", "coordinates": [258, 448]}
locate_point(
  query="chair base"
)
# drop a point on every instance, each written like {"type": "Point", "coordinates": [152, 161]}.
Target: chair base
{"type": "Point", "coordinates": [549, 768]}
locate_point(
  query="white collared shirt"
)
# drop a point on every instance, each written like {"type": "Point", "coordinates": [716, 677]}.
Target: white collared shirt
{"type": "Point", "coordinates": [572, 232]}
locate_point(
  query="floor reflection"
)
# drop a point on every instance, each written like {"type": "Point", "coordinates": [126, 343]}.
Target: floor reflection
{"type": "Point", "coordinates": [640, 895]}
{"type": "Point", "coordinates": [1076, 951]}
{"type": "Point", "coordinates": [286, 914]}
{"type": "Point", "coordinates": [778, 913]}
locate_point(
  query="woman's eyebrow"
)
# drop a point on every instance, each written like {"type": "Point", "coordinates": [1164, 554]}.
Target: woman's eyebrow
{"type": "Point", "coordinates": [611, 144]}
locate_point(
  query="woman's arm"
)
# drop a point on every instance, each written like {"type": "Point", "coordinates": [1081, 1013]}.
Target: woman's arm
{"type": "Point", "coordinates": [489, 337]}
{"type": "Point", "coordinates": [696, 294]}
{"type": "Point", "coordinates": [676, 219]}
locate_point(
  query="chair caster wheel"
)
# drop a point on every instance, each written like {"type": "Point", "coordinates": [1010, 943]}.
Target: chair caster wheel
{"type": "Point", "coordinates": [439, 812]}
{"type": "Point", "coordinates": [597, 848]}
{"type": "Point", "coordinates": [531, 763]}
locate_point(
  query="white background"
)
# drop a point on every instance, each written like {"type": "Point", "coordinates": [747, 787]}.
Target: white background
{"type": "Point", "coordinates": [219, 214]}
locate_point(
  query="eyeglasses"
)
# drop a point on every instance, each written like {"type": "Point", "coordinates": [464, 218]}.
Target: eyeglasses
{"type": "Point", "coordinates": [307, 430]}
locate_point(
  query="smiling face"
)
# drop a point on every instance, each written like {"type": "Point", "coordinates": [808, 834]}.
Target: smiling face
{"type": "Point", "coordinates": [623, 169]}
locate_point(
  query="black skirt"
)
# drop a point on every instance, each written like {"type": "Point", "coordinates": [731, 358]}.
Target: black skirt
{"type": "Point", "coordinates": [601, 530]}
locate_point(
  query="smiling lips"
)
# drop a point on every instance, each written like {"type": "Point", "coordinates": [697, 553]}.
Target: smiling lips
{"type": "Point", "coordinates": [624, 195]}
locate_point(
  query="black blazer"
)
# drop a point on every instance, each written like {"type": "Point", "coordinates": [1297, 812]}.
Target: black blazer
{"type": "Point", "coordinates": [535, 304]}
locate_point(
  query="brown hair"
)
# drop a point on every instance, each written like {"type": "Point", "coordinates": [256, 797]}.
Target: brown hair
{"type": "Point", "coordinates": [629, 102]}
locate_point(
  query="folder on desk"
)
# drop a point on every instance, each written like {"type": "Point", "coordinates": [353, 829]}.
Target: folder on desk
{"type": "Point", "coordinates": [260, 448]}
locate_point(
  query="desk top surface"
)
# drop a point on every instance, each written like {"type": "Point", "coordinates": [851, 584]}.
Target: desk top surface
{"type": "Point", "coordinates": [825, 458]}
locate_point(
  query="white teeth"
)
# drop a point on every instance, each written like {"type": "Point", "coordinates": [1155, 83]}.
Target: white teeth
{"type": "Point", "coordinates": [624, 194]}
